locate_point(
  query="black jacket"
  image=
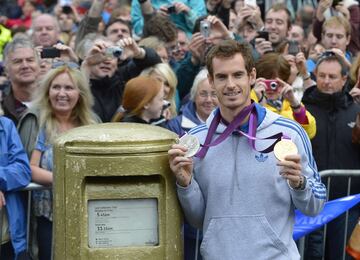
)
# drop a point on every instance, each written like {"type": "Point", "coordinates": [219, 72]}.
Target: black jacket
{"type": "Point", "coordinates": [108, 92]}
{"type": "Point", "coordinates": [332, 147]}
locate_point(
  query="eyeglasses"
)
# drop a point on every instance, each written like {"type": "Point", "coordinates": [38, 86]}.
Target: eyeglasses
{"type": "Point", "coordinates": [69, 64]}
{"type": "Point", "coordinates": [204, 94]}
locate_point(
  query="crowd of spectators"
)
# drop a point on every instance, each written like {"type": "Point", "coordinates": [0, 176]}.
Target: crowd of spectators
{"type": "Point", "coordinates": [65, 64]}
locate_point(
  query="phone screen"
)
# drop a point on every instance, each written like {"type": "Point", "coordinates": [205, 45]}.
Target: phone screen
{"type": "Point", "coordinates": [293, 48]}
{"type": "Point", "coordinates": [263, 35]}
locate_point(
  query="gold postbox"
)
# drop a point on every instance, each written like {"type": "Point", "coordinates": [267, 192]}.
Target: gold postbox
{"type": "Point", "coordinates": [114, 194]}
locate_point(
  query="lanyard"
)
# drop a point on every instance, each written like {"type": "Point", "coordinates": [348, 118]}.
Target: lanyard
{"type": "Point", "coordinates": [253, 120]}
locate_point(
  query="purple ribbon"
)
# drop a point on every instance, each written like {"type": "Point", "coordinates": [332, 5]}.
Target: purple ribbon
{"type": "Point", "coordinates": [253, 120]}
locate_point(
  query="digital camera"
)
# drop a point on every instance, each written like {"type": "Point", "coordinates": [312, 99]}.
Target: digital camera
{"type": "Point", "coordinates": [205, 28]}
{"type": "Point", "coordinates": [114, 51]}
{"type": "Point", "coordinates": [271, 85]}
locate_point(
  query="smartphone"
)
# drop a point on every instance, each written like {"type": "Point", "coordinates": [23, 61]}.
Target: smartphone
{"type": "Point", "coordinates": [263, 35]}
{"type": "Point", "coordinates": [171, 9]}
{"type": "Point", "coordinates": [250, 2]}
{"type": "Point", "coordinates": [50, 52]}
{"type": "Point", "coordinates": [293, 48]}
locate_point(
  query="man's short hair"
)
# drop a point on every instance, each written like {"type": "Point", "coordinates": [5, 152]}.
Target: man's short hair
{"type": "Point", "coordinates": [118, 20]}
{"type": "Point", "coordinates": [227, 49]}
{"type": "Point", "coordinates": [337, 21]}
{"type": "Point", "coordinates": [281, 7]}
{"type": "Point", "coordinates": [331, 56]}
{"type": "Point", "coordinates": [161, 27]}
{"type": "Point", "coordinates": [16, 43]}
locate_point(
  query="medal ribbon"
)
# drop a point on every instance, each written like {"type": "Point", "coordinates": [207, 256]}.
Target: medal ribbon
{"type": "Point", "coordinates": [232, 127]}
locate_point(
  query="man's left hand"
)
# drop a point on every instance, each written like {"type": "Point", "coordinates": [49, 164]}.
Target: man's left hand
{"type": "Point", "coordinates": [291, 169]}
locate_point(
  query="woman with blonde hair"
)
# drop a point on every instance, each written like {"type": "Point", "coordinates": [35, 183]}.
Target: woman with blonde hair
{"type": "Point", "coordinates": [64, 101]}
{"type": "Point", "coordinates": [142, 101]}
{"type": "Point", "coordinates": [164, 73]}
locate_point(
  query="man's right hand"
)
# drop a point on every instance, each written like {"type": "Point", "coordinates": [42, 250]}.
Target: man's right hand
{"type": "Point", "coordinates": [180, 165]}
{"type": "Point", "coordinates": [197, 48]}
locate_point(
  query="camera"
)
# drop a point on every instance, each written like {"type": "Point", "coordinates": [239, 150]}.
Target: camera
{"type": "Point", "coordinates": [271, 84]}
{"type": "Point", "coordinates": [50, 52]}
{"type": "Point", "coordinates": [113, 51]}
{"type": "Point", "coordinates": [166, 104]}
{"type": "Point", "coordinates": [171, 9]}
{"type": "Point", "coordinates": [205, 28]}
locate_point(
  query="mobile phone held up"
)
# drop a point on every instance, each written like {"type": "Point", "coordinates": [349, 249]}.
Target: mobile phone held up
{"type": "Point", "coordinates": [171, 9]}
{"type": "Point", "coordinates": [293, 48]}
{"type": "Point", "coordinates": [50, 52]}
{"type": "Point", "coordinates": [263, 35]}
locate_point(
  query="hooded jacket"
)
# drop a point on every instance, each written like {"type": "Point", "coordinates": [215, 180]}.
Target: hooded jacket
{"type": "Point", "coordinates": [184, 122]}
{"type": "Point", "coordinates": [237, 196]}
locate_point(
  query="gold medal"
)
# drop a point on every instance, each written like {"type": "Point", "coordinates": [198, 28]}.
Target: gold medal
{"type": "Point", "coordinates": [191, 143]}
{"type": "Point", "coordinates": [283, 148]}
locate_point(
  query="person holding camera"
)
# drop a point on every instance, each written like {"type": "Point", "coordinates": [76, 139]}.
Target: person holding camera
{"type": "Point", "coordinates": [273, 92]}
{"type": "Point", "coordinates": [107, 78]}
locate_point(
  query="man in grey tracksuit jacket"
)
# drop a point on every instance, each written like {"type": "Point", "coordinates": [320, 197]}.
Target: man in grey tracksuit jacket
{"type": "Point", "coordinates": [243, 199]}
{"type": "Point", "coordinates": [239, 199]}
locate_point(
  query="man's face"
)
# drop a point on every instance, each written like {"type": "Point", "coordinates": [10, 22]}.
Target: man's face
{"type": "Point", "coordinates": [117, 31]}
{"type": "Point", "coordinates": [45, 33]}
{"type": "Point", "coordinates": [276, 25]}
{"type": "Point", "coordinates": [296, 33]}
{"type": "Point", "coordinates": [103, 69]}
{"type": "Point", "coordinates": [231, 83]}
{"type": "Point", "coordinates": [335, 37]}
{"type": "Point", "coordinates": [22, 66]}
{"type": "Point", "coordinates": [328, 77]}
{"type": "Point", "coordinates": [182, 46]}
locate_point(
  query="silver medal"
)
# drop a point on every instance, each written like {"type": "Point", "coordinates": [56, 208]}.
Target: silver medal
{"type": "Point", "coordinates": [191, 143]}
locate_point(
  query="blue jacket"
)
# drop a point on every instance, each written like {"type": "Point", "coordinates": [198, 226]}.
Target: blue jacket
{"type": "Point", "coordinates": [15, 174]}
{"type": "Point", "coordinates": [184, 122]}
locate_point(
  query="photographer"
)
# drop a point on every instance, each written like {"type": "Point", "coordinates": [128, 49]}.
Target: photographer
{"type": "Point", "coordinates": [107, 79]}
{"type": "Point", "coordinates": [273, 92]}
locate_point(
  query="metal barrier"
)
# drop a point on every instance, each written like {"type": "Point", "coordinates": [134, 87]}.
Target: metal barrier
{"type": "Point", "coordinates": [328, 175]}
{"type": "Point", "coordinates": [324, 174]}
{"type": "Point", "coordinates": [32, 186]}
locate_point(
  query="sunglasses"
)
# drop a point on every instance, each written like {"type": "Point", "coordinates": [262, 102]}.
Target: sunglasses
{"type": "Point", "coordinates": [69, 64]}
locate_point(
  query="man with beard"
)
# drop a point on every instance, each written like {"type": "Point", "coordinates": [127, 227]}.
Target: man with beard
{"type": "Point", "coordinates": [22, 67]}
{"type": "Point", "coordinates": [278, 24]}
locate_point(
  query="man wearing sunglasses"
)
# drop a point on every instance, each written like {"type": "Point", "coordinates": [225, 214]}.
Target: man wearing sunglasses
{"type": "Point", "coordinates": [335, 113]}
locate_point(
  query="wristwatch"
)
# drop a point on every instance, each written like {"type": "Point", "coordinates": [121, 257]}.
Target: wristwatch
{"type": "Point", "coordinates": [302, 183]}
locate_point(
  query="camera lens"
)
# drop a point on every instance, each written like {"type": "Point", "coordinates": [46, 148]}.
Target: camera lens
{"type": "Point", "coordinates": [273, 85]}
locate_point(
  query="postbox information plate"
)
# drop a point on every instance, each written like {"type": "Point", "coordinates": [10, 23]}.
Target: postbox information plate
{"type": "Point", "coordinates": [123, 222]}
